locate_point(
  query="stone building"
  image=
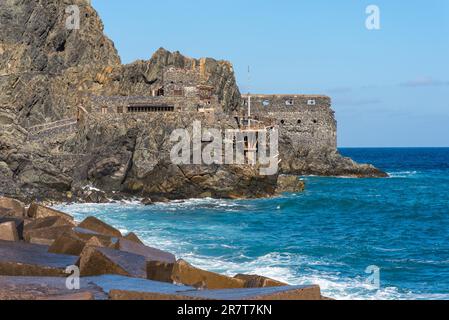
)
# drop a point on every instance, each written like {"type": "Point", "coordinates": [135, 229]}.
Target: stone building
{"type": "Point", "coordinates": [179, 90]}
{"type": "Point", "coordinates": [308, 121]}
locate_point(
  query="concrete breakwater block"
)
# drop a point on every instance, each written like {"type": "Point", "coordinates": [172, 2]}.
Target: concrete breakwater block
{"type": "Point", "coordinates": [151, 254]}
{"type": "Point", "coordinates": [48, 222]}
{"type": "Point", "coordinates": [8, 231]}
{"type": "Point", "coordinates": [19, 223]}
{"type": "Point", "coordinates": [24, 259]}
{"type": "Point", "coordinates": [118, 287]}
{"type": "Point", "coordinates": [37, 211]}
{"type": "Point", "coordinates": [273, 293]}
{"type": "Point", "coordinates": [46, 288]}
{"type": "Point", "coordinates": [49, 234]}
{"type": "Point", "coordinates": [11, 207]}
{"type": "Point", "coordinates": [133, 237]}
{"type": "Point", "coordinates": [100, 261]}
{"type": "Point", "coordinates": [183, 272]}
{"type": "Point", "coordinates": [85, 234]}
{"type": "Point", "coordinates": [256, 281]}
{"type": "Point", "coordinates": [72, 244]}
{"type": "Point", "coordinates": [94, 224]}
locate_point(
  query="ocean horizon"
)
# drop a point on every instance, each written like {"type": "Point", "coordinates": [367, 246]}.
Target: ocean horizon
{"type": "Point", "coordinates": [330, 235]}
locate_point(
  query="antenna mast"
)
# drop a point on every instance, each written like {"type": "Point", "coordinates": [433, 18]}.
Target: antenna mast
{"type": "Point", "coordinates": [249, 96]}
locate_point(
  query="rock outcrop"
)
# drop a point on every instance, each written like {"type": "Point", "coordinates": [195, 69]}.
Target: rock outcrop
{"type": "Point", "coordinates": [47, 71]}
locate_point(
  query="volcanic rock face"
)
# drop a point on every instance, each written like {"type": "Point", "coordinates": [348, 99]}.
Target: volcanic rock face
{"type": "Point", "coordinates": [47, 70]}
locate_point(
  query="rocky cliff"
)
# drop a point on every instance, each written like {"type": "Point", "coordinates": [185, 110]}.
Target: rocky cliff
{"type": "Point", "coordinates": [47, 71]}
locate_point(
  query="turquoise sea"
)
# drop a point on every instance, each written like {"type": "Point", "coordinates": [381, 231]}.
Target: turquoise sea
{"type": "Point", "coordinates": [328, 235]}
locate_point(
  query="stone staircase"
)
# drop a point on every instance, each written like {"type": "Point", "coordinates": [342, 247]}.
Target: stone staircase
{"type": "Point", "coordinates": [51, 129]}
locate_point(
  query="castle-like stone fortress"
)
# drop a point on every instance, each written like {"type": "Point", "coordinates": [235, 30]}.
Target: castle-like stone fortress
{"type": "Point", "coordinates": [306, 120]}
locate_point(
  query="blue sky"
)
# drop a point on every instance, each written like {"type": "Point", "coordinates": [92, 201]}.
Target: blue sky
{"type": "Point", "coordinates": [390, 87]}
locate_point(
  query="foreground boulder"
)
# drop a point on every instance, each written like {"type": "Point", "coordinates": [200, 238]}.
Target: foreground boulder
{"type": "Point", "coordinates": [94, 224]}
{"type": "Point", "coordinates": [8, 231]}
{"type": "Point", "coordinates": [12, 207]}
{"type": "Point", "coordinates": [48, 222]}
{"type": "Point", "coordinates": [19, 224]}
{"type": "Point", "coordinates": [99, 261]}
{"type": "Point", "coordinates": [273, 293]}
{"type": "Point", "coordinates": [133, 237]}
{"type": "Point", "coordinates": [46, 288]}
{"type": "Point", "coordinates": [46, 235]}
{"type": "Point", "coordinates": [184, 273]}
{"type": "Point", "coordinates": [86, 234]}
{"type": "Point", "coordinates": [23, 259]}
{"type": "Point", "coordinates": [71, 244]}
{"type": "Point", "coordinates": [151, 254]}
{"type": "Point", "coordinates": [37, 211]}
{"type": "Point", "coordinates": [255, 281]}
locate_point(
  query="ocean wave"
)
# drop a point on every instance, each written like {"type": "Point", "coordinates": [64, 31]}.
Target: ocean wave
{"type": "Point", "coordinates": [402, 174]}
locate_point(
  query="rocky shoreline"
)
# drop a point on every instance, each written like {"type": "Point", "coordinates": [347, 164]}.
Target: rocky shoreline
{"type": "Point", "coordinates": [42, 249]}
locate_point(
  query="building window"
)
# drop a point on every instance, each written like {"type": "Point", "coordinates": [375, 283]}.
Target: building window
{"type": "Point", "coordinates": [311, 102]}
{"type": "Point", "coordinates": [160, 92]}
{"type": "Point", "coordinates": [315, 121]}
{"type": "Point", "coordinates": [289, 102]}
{"type": "Point", "coordinates": [299, 121]}
{"type": "Point", "coordinates": [147, 109]}
{"type": "Point", "coordinates": [178, 92]}
{"type": "Point", "coordinates": [104, 110]}
{"type": "Point", "coordinates": [266, 103]}
{"type": "Point", "coordinates": [282, 121]}
{"type": "Point", "coordinates": [120, 109]}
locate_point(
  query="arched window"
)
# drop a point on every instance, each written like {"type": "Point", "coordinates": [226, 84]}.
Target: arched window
{"type": "Point", "coordinates": [299, 121]}
{"type": "Point", "coordinates": [282, 121]}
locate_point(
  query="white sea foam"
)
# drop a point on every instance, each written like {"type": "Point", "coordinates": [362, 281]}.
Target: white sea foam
{"type": "Point", "coordinates": [402, 174]}
{"type": "Point", "coordinates": [291, 268]}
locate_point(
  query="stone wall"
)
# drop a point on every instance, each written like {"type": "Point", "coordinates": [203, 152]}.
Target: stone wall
{"type": "Point", "coordinates": [308, 121]}
{"type": "Point", "coordinates": [119, 104]}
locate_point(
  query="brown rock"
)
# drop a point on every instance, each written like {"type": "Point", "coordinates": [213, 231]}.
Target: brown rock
{"type": "Point", "coordinates": [94, 224]}
{"type": "Point", "coordinates": [133, 237]}
{"type": "Point", "coordinates": [85, 234]}
{"type": "Point", "coordinates": [24, 259]}
{"type": "Point", "coordinates": [123, 295]}
{"type": "Point", "coordinates": [8, 231]}
{"type": "Point", "coordinates": [37, 211]}
{"type": "Point", "coordinates": [273, 293]}
{"type": "Point", "coordinates": [14, 207]}
{"type": "Point", "coordinates": [51, 233]}
{"type": "Point", "coordinates": [79, 296]}
{"type": "Point", "coordinates": [184, 273]}
{"type": "Point", "coordinates": [99, 261]}
{"type": "Point", "coordinates": [48, 223]}
{"type": "Point", "coordinates": [68, 243]}
{"type": "Point", "coordinates": [255, 281]}
{"type": "Point", "coordinates": [45, 288]}
{"type": "Point", "coordinates": [160, 271]}
{"type": "Point", "coordinates": [42, 242]}
{"type": "Point", "coordinates": [72, 244]}
{"type": "Point", "coordinates": [151, 254]}
{"type": "Point", "coordinates": [19, 223]}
